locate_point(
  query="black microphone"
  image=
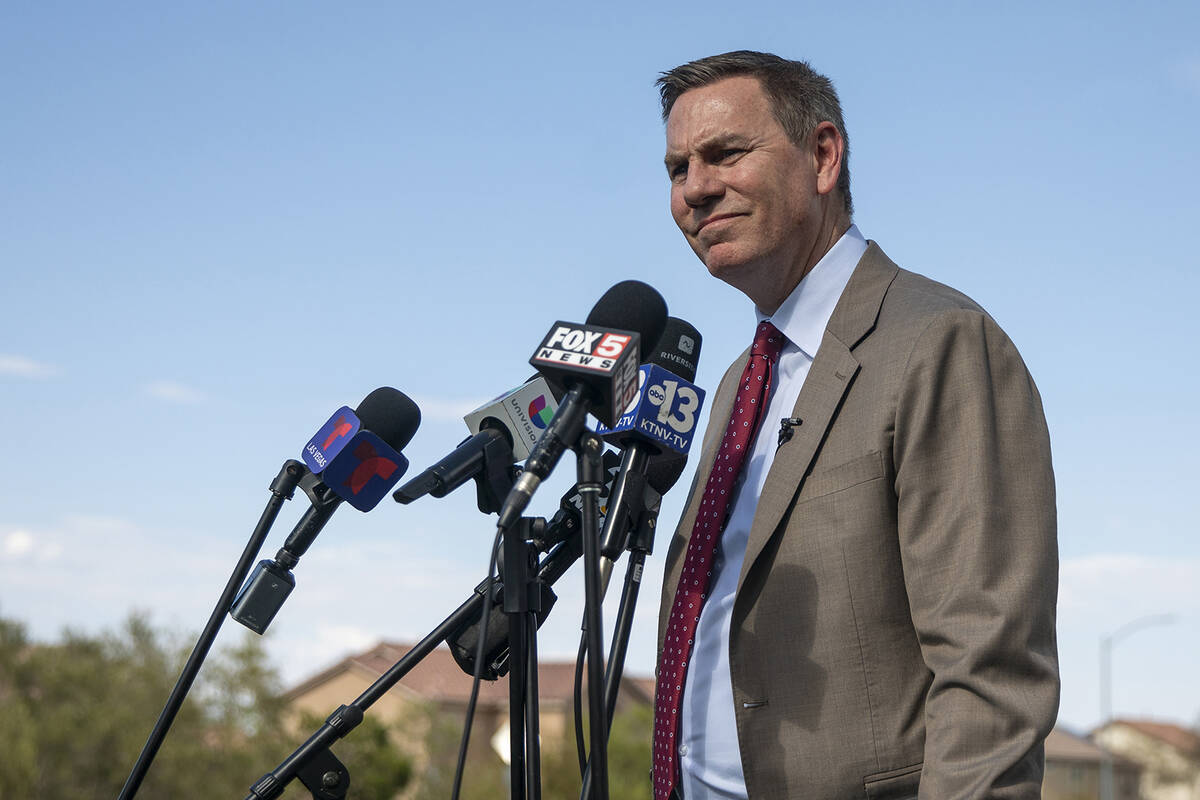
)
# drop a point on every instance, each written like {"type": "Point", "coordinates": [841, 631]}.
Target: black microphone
{"type": "Point", "coordinates": [361, 473]}
{"type": "Point", "coordinates": [596, 364]}
{"type": "Point", "coordinates": [507, 427]}
{"type": "Point", "coordinates": [661, 420]}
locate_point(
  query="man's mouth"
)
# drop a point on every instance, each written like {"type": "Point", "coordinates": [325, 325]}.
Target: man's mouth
{"type": "Point", "coordinates": [714, 218]}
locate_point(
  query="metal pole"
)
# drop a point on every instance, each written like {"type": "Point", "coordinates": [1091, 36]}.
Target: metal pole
{"type": "Point", "coordinates": [1106, 763]}
{"type": "Point", "coordinates": [1106, 648]}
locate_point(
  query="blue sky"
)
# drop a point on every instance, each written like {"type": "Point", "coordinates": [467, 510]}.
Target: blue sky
{"type": "Point", "coordinates": [222, 221]}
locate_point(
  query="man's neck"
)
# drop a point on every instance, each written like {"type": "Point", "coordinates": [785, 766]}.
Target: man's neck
{"type": "Point", "coordinates": [831, 231]}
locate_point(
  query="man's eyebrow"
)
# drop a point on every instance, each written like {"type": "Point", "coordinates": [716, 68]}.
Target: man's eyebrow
{"type": "Point", "coordinates": [721, 140]}
{"type": "Point", "coordinates": [717, 141]}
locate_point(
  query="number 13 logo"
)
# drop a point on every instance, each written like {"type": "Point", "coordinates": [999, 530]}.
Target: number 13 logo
{"type": "Point", "coordinates": [684, 417]}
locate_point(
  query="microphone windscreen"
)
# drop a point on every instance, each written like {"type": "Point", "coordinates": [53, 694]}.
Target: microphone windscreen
{"type": "Point", "coordinates": [678, 349]}
{"type": "Point", "coordinates": [663, 471]}
{"type": "Point", "coordinates": [632, 306]}
{"type": "Point", "coordinates": [391, 415]}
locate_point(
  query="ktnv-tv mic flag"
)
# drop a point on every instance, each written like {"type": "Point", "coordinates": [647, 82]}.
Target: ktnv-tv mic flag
{"type": "Point", "coordinates": [664, 413]}
{"type": "Point", "coordinates": [660, 422]}
{"type": "Point", "coordinates": [595, 366]}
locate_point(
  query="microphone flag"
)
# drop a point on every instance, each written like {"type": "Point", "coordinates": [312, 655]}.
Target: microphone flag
{"type": "Point", "coordinates": [664, 411]}
{"type": "Point", "coordinates": [364, 470]}
{"type": "Point", "coordinates": [604, 360]}
{"type": "Point", "coordinates": [524, 412]}
{"type": "Point", "coordinates": [330, 439]}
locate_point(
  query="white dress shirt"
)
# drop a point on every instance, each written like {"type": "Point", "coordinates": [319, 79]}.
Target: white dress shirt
{"type": "Point", "coordinates": [710, 760]}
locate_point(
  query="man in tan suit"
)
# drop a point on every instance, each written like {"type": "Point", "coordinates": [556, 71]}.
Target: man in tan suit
{"type": "Point", "coordinates": [877, 617]}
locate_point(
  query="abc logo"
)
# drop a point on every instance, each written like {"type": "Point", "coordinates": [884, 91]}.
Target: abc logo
{"type": "Point", "coordinates": [656, 395]}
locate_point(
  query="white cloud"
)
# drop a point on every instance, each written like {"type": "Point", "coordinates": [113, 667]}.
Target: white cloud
{"type": "Point", "coordinates": [23, 545]}
{"type": "Point", "coordinates": [1110, 588]}
{"type": "Point", "coordinates": [305, 652]}
{"type": "Point", "coordinates": [18, 543]}
{"type": "Point", "coordinates": [93, 524]}
{"type": "Point", "coordinates": [175, 392]}
{"type": "Point", "coordinates": [1155, 668]}
{"type": "Point", "coordinates": [21, 367]}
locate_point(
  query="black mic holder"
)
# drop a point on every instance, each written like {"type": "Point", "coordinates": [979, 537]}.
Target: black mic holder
{"type": "Point", "coordinates": [313, 762]}
{"type": "Point", "coordinates": [272, 581]}
{"type": "Point", "coordinates": [624, 504]}
{"type": "Point", "coordinates": [463, 642]}
{"type": "Point", "coordinates": [490, 464]}
{"type": "Point", "coordinates": [526, 600]}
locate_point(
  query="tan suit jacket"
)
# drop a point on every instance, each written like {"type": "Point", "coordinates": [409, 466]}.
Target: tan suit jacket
{"type": "Point", "coordinates": [894, 620]}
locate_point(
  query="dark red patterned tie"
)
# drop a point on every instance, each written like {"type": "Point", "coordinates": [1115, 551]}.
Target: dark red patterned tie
{"type": "Point", "coordinates": [692, 591]}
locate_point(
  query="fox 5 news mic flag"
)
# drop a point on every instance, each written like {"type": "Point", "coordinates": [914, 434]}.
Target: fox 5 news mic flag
{"type": "Point", "coordinates": [603, 359]}
{"type": "Point", "coordinates": [595, 365]}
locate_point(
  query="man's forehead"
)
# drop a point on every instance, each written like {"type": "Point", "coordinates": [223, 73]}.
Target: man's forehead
{"type": "Point", "coordinates": [726, 108]}
{"type": "Point", "coordinates": [739, 93]}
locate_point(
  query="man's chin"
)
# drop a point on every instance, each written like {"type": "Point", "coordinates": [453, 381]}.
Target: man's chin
{"type": "Point", "coordinates": [724, 263]}
{"type": "Point", "coordinates": [742, 273]}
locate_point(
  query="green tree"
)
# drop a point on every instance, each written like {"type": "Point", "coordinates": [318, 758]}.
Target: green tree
{"type": "Point", "coordinates": [484, 777]}
{"type": "Point", "coordinates": [628, 758]}
{"type": "Point", "coordinates": [74, 716]}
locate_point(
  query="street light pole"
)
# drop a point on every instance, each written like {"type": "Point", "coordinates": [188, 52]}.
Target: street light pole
{"type": "Point", "coordinates": [1106, 648]}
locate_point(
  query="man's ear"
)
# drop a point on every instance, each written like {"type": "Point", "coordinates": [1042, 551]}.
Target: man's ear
{"type": "Point", "coordinates": [828, 147]}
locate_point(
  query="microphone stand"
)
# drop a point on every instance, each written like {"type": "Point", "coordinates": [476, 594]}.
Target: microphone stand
{"type": "Point", "coordinates": [523, 605]}
{"type": "Point", "coordinates": [640, 544]}
{"type": "Point", "coordinates": [590, 472]}
{"type": "Point", "coordinates": [282, 488]}
{"type": "Point", "coordinates": [314, 764]}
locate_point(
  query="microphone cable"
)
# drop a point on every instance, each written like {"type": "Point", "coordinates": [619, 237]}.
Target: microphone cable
{"type": "Point", "coordinates": [480, 652]}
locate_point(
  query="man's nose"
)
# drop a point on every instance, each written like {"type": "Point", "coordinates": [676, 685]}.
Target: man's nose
{"type": "Point", "coordinates": [701, 185]}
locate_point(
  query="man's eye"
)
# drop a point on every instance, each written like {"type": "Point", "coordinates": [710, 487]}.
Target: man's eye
{"type": "Point", "coordinates": [677, 172]}
{"type": "Point", "coordinates": [729, 154]}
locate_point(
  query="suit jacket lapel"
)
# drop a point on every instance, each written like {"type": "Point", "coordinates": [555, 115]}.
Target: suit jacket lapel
{"type": "Point", "coordinates": [828, 379]}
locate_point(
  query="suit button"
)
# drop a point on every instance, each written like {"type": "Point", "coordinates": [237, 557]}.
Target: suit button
{"type": "Point", "coordinates": [683, 750]}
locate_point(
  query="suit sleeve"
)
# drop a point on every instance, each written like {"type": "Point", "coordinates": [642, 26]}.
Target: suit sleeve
{"type": "Point", "coordinates": [977, 530]}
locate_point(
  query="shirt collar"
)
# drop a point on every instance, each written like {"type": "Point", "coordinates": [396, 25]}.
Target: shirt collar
{"type": "Point", "coordinates": [804, 315]}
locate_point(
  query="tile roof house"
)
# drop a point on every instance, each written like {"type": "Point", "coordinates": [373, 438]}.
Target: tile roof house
{"type": "Point", "coordinates": [435, 692]}
{"type": "Point", "coordinates": [1074, 765]}
{"type": "Point", "coordinates": [1169, 755]}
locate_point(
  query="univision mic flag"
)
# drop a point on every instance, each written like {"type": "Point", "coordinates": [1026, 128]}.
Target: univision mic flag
{"type": "Point", "coordinates": [330, 439]}
{"type": "Point", "coordinates": [665, 410]}
{"type": "Point", "coordinates": [364, 470]}
{"type": "Point", "coordinates": [524, 412]}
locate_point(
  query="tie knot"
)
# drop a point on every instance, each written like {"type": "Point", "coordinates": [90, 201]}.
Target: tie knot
{"type": "Point", "coordinates": [768, 341]}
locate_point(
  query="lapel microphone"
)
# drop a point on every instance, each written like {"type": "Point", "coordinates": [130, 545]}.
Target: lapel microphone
{"type": "Point", "coordinates": [787, 427]}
